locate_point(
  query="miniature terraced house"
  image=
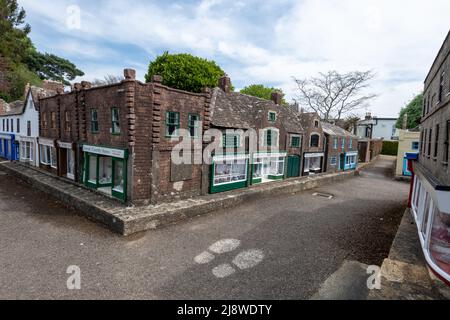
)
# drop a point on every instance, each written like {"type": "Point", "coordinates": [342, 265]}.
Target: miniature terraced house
{"type": "Point", "coordinates": [341, 148]}
{"type": "Point", "coordinates": [431, 184]}
{"type": "Point", "coordinates": [20, 125]}
{"type": "Point", "coordinates": [272, 153]}
{"type": "Point", "coordinates": [314, 146]}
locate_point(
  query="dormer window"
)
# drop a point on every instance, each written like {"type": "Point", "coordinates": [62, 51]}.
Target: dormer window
{"type": "Point", "coordinates": [272, 116]}
{"type": "Point", "coordinates": [316, 123]}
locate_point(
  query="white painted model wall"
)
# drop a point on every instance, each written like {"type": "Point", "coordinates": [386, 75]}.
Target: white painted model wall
{"type": "Point", "coordinates": [32, 115]}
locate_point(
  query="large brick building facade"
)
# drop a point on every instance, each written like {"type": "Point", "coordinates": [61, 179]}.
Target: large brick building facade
{"type": "Point", "coordinates": [430, 199]}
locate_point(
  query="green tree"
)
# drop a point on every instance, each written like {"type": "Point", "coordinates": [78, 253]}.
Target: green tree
{"type": "Point", "coordinates": [51, 67]}
{"type": "Point", "coordinates": [185, 71]}
{"type": "Point", "coordinates": [261, 91]}
{"type": "Point", "coordinates": [414, 111]}
{"type": "Point", "coordinates": [14, 41]}
{"type": "Point", "coordinates": [21, 62]}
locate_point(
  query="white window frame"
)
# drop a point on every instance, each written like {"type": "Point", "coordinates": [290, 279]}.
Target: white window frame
{"type": "Point", "coordinates": [333, 161]}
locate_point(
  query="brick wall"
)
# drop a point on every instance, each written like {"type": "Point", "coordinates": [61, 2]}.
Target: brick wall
{"type": "Point", "coordinates": [437, 113]}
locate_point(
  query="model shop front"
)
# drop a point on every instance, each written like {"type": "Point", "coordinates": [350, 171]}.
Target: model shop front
{"type": "Point", "coordinates": [9, 147]}
{"type": "Point", "coordinates": [105, 169]}
{"type": "Point", "coordinates": [313, 163]}
{"type": "Point", "coordinates": [231, 172]}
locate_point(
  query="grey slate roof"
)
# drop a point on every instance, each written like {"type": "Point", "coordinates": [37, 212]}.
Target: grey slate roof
{"type": "Point", "coordinates": [241, 111]}
{"type": "Point", "coordinates": [334, 130]}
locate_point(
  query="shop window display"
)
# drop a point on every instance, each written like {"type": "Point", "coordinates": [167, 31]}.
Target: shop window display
{"type": "Point", "coordinates": [230, 172]}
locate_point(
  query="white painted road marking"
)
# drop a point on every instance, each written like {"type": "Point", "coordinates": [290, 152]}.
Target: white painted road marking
{"type": "Point", "coordinates": [248, 259]}
{"type": "Point", "coordinates": [223, 271]}
{"type": "Point", "coordinates": [224, 246]}
{"type": "Point", "coordinates": [245, 260]}
{"type": "Point", "coordinates": [204, 258]}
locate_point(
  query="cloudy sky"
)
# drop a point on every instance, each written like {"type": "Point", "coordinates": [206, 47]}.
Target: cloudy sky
{"type": "Point", "coordinates": [254, 41]}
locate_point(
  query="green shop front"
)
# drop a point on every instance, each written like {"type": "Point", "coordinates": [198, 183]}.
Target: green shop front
{"type": "Point", "coordinates": [105, 170]}
{"type": "Point", "coordinates": [237, 171]}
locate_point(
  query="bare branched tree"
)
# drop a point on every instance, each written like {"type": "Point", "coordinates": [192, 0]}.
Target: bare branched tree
{"type": "Point", "coordinates": [108, 79]}
{"type": "Point", "coordinates": [334, 95]}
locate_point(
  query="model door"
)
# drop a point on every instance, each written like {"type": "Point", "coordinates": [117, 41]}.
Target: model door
{"type": "Point", "coordinates": [293, 166]}
{"type": "Point", "coordinates": [406, 172]}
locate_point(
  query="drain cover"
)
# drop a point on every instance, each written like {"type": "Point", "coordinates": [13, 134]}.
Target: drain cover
{"type": "Point", "coordinates": [323, 195]}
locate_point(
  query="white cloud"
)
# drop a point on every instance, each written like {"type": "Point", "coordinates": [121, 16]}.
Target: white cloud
{"type": "Point", "coordinates": [267, 42]}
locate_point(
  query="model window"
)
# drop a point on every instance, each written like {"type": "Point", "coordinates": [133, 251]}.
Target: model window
{"type": "Point", "coordinates": [415, 145]}
{"type": "Point", "coordinates": [231, 141]}
{"type": "Point", "coordinates": [350, 144]}
{"type": "Point", "coordinates": [316, 124]}
{"type": "Point", "coordinates": [53, 157]}
{"type": "Point", "coordinates": [18, 125]}
{"type": "Point", "coordinates": [424, 107]}
{"type": "Point", "coordinates": [447, 142]}
{"type": "Point", "coordinates": [194, 125]}
{"type": "Point", "coordinates": [119, 177]}
{"type": "Point", "coordinates": [436, 142]}
{"type": "Point", "coordinates": [314, 140]}
{"type": "Point", "coordinates": [272, 116]}
{"type": "Point", "coordinates": [351, 160]}
{"type": "Point", "coordinates": [3, 125]}
{"type": "Point", "coordinates": [94, 121]}
{"type": "Point", "coordinates": [12, 125]}
{"type": "Point", "coordinates": [270, 138]}
{"type": "Point", "coordinates": [67, 125]}
{"type": "Point", "coordinates": [172, 124]}
{"type": "Point", "coordinates": [335, 143]}
{"type": "Point", "coordinates": [29, 128]}
{"type": "Point", "coordinates": [105, 170]}
{"type": "Point", "coordinates": [92, 169]}
{"type": "Point", "coordinates": [115, 121]}
{"type": "Point", "coordinates": [430, 136]}
{"type": "Point", "coordinates": [53, 120]}
{"type": "Point", "coordinates": [424, 142]}
{"type": "Point", "coordinates": [333, 161]}
{"type": "Point", "coordinates": [7, 125]}
{"type": "Point", "coordinates": [295, 142]}
{"type": "Point", "coordinates": [26, 151]}
{"type": "Point", "coordinates": [230, 172]}
{"type": "Point", "coordinates": [441, 86]}
{"type": "Point", "coordinates": [44, 120]}
{"type": "Point", "coordinates": [343, 143]}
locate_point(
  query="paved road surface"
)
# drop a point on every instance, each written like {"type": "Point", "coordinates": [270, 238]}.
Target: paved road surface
{"type": "Point", "coordinates": [277, 248]}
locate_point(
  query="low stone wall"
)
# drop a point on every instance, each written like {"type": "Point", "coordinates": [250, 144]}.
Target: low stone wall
{"type": "Point", "coordinates": [130, 220]}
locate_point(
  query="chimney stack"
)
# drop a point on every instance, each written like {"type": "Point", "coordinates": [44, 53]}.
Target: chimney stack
{"type": "Point", "coordinates": [86, 84]}
{"type": "Point", "coordinates": [27, 88]}
{"type": "Point", "coordinates": [129, 74]}
{"type": "Point", "coordinates": [157, 78]}
{"type": "Point", "coordinates": [225, 83]}
{"type": "Point", "coordinates": [52, 85]}
{"type": "Point", "coordinates": [277, 97]}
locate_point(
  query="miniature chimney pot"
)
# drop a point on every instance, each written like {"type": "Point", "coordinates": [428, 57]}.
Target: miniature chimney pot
{"type": "Point", "coordinates": [225, 83]}
{"type": "Point", "coordinates": [129, 74]}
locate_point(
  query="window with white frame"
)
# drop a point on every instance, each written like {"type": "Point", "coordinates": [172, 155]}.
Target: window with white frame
{"type": "Point", "coordinates": [26, 152]}
{"type": "Point", "coordinates": [351, 160]}
{"type": "Point", "coordinates": [333, 161]}
{"type": "Point", "coordinates": [48, 155]}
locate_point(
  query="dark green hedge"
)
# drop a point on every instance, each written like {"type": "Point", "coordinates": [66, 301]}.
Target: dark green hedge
{"type": "Point", "coordinates": [390, 148]}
